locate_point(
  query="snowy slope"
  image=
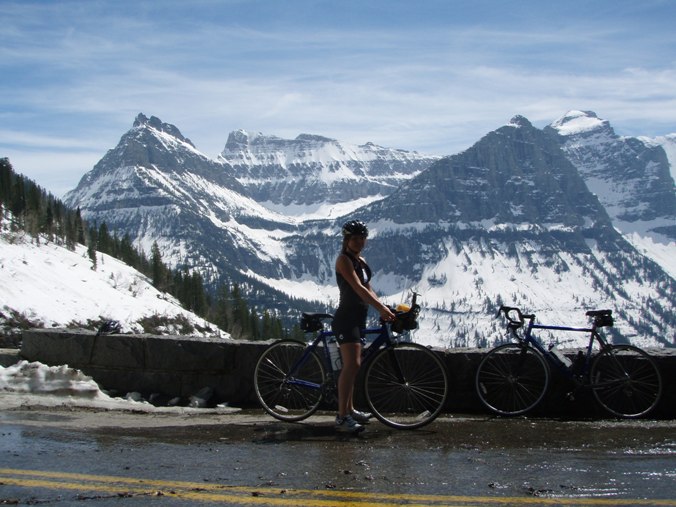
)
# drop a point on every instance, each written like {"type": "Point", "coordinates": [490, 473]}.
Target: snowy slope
{"type": "Point", "coordinates": [668, 144]}
{"type": "Point", "coordinates": [509, 219]}
{"type": "Point", "coordinates": [50, 284]}
{"type": "Point", "coordinates": [299, 177]}
{"type": "Point", "coordinates": [631, 178]}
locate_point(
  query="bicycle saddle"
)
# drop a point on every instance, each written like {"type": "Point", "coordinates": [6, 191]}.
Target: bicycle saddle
{"type": "Point", "coordinates": [602, 318]}
{"type": "Point", "coordinates": [311, 322]}
{"type": "Point", "coordinates": [310, 315]}
{"type": "Point", "coordinates": [599, 313]}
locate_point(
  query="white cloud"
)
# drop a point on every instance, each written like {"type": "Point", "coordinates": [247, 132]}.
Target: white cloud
{"type": "Point", "coordinates": [431, 80]}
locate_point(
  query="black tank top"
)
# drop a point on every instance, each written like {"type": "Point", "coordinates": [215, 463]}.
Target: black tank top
{"type": "Point", "coordinates": [348, 297]}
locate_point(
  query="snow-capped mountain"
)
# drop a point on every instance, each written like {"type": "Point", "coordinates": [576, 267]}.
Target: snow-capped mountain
{"type": "Point", "coordinates": [510, 220]}
{"type": "Point", "coordinates": [668, 144]}
{"type": "Point", "coordinates": [311, 175]}
{"type": "Point", "coordinates": [155, 186]}
{"type": "Point", "coordinates": [630, 176]}
{"type": "Point", "coordinates": [44, 282]}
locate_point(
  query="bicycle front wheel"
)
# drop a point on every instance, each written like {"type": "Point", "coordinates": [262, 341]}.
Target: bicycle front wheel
{"type": "Point", "coordinates": [406, 386]}
{"type": "Point", "coordinates": [289, 385]}
{"type": "Point", "coordinates": [626, 381]}
{"type": "Point", "coordinates": [512, 379]}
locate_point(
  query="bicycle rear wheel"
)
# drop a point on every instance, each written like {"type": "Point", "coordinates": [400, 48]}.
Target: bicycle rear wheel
{"type": "Point", "coordinates": [626, 381]}
{"type": "Point", "coordinates": [512, 379]}
{"type": "Point", "coordinates": [286, 388]}
{"type": "Point", "coordinates": [406, 386]}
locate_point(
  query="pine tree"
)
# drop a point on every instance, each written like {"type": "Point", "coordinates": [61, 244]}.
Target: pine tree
{"type": "Point", "coordinates": [197, 294]}
{"type": "Point", "coordinates": [104, 241]}
{"type": "Point", "coordinates": [159, 272]}
{"type": "Point", "coordinates": [79, 227]}
{"type": "Point", "coordinates": [267, 331]}
{"type": "Point", "coordinates": [6, 174]}
{"type": "Point", "coordinates": [91, 252]}
{"type": "Point", "coordinates": [18, 200]}
{"type": "Point", "coordinates": [221, 312]}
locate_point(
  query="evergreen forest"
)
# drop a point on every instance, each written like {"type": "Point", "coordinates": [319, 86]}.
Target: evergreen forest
{"type": "Point", "coordinates": [46, 218]}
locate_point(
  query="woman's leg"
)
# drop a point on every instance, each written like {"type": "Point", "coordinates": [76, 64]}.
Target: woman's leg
{"type": "Point", "coordinates": [351, 356]}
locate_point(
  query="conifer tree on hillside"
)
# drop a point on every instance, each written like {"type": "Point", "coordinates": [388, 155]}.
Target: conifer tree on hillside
{"type": "Point", "coordinates": [39, 213]}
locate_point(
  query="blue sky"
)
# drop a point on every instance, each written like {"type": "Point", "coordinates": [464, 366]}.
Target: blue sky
{"type": "Point", "coordinates": [426, 75]}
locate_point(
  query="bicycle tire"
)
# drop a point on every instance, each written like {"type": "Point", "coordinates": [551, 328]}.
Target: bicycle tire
{"type": "Point", "coordinates": [626, 381]}
{"type": "Point", "coordinates": [512, 379]}
{"type": "Point", "coordinates": [278, 393]}
{"type": "Point", "coordinates": [414, 400]}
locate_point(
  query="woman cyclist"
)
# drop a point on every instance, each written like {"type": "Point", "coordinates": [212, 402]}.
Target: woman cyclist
{"type": "Point", "coordinates": [353, 276]}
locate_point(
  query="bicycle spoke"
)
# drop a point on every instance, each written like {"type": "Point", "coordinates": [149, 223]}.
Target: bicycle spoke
{"type": "Point", "coordinates": [626, 381]}
{"type": "Point", "coordinates": [406, 386]}
{"type": "Point", "coordinates": [289, 398]}
{"type": "Point", "coordinates": [512, 379]}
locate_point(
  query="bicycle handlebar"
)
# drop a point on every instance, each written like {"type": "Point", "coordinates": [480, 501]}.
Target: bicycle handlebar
{"type": "Point", "coordinates": [312, 322]}
{"type": "Point", "coordinates": [517, 320]}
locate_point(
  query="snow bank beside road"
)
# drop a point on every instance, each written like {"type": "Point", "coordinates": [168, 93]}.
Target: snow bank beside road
{"type": "Point", "coordinates": [36, 384]}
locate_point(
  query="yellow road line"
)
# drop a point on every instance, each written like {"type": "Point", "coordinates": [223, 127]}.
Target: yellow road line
{"type": "Point", "coordinates": [244, 495]}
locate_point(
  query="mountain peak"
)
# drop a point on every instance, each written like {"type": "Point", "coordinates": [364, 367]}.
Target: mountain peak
{"type": "Point", "coordinates": [581, 122]}
{"type": "Point", "coordinates": [470, 230]}
{"type": "Point", "coordinates": [241, 139]}
{"type": "Point", "coordinates": [154, 122]}
{"type": "Point", "coordinates": [520, 121]}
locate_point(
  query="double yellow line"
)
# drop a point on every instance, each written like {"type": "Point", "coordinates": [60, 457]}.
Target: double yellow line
{"type": "Point", "coordinates": [241, 495]}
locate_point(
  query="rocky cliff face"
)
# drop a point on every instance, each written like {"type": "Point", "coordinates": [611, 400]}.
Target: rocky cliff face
{"type": "Point", "coordinates": [510, 220]}
{"type": "Point", "coordinates": [630, 176]}
{"type": "Point", "coordinates": [155, 186]}
{"type": "Point", "coordinates": [312, 169]}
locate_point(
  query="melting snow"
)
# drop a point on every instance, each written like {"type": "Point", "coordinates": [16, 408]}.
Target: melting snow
{"type": "Point", "coordinates": [49, 283]}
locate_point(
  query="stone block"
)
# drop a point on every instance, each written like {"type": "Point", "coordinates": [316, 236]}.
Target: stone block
{"type": "Point", "coordinates": [119, 350]}
{"type": "Point", "coordinates": [186, 354]}
{"type": "Point", "coordinates": [57, 346]}
{"type": "Point", "coordinates": [9, 357]}
{"type": "Point", "coordinates": [182, 366]}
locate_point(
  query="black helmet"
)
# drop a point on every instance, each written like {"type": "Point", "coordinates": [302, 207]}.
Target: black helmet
{"type": "Point", "coordinates": [355, 227]}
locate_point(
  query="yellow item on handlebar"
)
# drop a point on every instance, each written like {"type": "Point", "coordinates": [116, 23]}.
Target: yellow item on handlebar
{"type": "Point", "coordinates": [405, 319]}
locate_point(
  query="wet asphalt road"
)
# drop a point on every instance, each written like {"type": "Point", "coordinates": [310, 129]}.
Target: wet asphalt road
{"type": "Point", "coordinates": [66, 456]}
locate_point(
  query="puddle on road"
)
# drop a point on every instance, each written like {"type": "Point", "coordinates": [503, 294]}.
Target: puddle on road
{"type": "Point", "coordinates": [452, 456]}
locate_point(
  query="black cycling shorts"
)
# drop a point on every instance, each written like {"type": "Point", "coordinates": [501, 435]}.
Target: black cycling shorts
{"type": "Point", "coordinates": [349, 324]}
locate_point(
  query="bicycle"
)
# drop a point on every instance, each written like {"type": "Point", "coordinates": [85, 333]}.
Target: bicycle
{"type": "Point", "coordinates": [404, 383]}
{"type": "Point", "coordinates": [513, 378]}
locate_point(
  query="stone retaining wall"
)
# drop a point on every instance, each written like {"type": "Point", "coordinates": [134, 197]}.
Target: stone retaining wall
{"type": "Point", "coordinates": [181, 366]}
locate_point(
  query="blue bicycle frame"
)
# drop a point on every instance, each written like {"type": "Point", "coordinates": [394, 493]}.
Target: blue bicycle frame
{"type": "Point", "coordinates": [529, 338]}
{"type": "Point", "coordinates": [384, 338]}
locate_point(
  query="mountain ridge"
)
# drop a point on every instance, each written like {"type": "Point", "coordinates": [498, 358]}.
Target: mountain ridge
{"type": "Point", "coordinates": [313, 169]}
{"type": "Point", "coordinates": [504, 219]}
